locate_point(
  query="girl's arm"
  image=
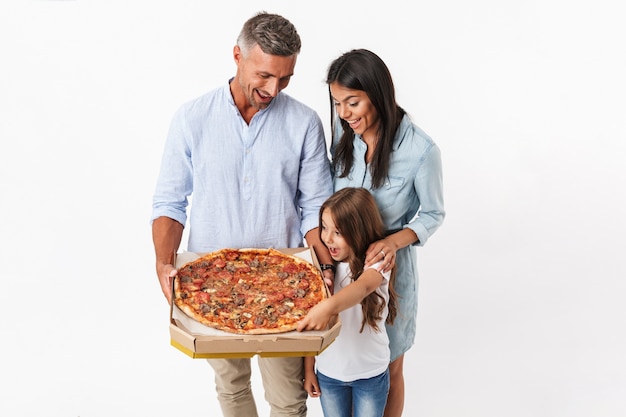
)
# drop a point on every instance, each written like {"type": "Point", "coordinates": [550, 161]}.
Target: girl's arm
{"type": "Point", "coordinates": [310, 379]}
{"type": "Point", "coordinates": [319, 316]}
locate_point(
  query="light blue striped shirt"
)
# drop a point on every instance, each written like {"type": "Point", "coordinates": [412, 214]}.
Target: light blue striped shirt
{"type": "Point", "coordinates": [259, 185]}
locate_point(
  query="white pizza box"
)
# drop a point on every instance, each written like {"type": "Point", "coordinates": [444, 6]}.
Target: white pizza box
{"type": "Point", "coordinates": [202, 342]}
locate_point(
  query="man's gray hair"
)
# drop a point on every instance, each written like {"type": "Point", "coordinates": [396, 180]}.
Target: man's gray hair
{"type": "Point", "coordinates": [273, 33]}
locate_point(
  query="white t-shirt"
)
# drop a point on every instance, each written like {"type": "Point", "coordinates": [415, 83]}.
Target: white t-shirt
{"type": "Point", "coordinates": [355, 355]}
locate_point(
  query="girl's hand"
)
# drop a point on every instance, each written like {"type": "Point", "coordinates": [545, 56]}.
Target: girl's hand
{"type": "Point", "coordinates": [317, 318]}
{"type": "Point", "coordinates": [311, 385]}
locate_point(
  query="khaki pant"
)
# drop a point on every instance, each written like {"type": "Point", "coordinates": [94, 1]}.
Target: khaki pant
{"type": "Point", "coordinates": [282, 382]}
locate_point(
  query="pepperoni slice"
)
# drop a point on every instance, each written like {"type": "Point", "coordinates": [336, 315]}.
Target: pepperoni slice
{"type": "Point", "coordinates": [291, 268]}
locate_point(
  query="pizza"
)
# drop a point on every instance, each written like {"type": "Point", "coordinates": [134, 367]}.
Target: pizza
{"type": "Point", "coordinates": [248, 291]}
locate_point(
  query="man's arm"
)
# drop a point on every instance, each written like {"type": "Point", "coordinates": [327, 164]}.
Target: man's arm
{"type": "Point", "coordinates": [323, 256]}
{"type": "Point", "coordinates": [166, 236]}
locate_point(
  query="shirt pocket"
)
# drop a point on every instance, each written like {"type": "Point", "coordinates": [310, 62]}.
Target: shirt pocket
{"type": "Point", "coordinates": [390, 192]}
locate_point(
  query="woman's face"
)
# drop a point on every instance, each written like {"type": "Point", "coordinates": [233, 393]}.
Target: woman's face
{"type": "Point", "coordinates": [355, 107]}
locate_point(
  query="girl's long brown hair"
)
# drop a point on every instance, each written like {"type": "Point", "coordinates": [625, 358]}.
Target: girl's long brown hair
{"type": "Point", "coordinates": [357, 218]}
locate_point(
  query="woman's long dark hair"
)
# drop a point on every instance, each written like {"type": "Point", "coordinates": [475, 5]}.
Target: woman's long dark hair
{"type": "Point", "coordinates": [356, 216]}
{"type": "Point", "coordinates": [363, 70]}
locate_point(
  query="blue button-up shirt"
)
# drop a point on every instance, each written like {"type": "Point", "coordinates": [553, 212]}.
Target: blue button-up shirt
{"type": "Point", "coordinates": [258, 185]}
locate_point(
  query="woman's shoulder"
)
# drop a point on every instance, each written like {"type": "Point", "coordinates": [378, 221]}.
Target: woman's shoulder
{"type": "Point", "coordinates": [410, 138]}
{"type": "Point", "coordinates": [408, 129]}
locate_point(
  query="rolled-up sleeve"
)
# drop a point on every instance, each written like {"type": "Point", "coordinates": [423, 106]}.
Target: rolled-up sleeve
{"type": "Point", "coordinates": [175, 180]}
{"type": "Point", "coordinates": [428, 184]}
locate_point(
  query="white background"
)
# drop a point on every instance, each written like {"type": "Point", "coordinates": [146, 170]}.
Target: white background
{"type": "Point", "coordinates": [521, 290]}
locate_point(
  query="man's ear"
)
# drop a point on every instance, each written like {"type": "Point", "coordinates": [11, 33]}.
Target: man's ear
{"type": "Point", "coordinates": [237, 55]}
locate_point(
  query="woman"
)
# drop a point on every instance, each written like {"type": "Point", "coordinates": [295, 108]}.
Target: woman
{"type": "Point", "coordinates": [375, 145]}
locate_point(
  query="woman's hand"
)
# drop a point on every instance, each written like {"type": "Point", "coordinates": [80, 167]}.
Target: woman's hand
{"type": "Point", "coordinates": [384, 250]}
{"type": "Point", "coordinates": [381, 251]}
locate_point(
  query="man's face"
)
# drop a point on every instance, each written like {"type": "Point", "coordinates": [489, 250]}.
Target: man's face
{"type": "Point", "coordinates": [262, 76]}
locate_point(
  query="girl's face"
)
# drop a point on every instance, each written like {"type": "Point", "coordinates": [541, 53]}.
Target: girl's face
{"type": "Point", "coordinates": [333, 239]}
{"type": "Point", "coordinates": [355, 107]}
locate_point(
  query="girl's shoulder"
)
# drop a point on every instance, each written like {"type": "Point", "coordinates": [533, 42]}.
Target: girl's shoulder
{"type": "Point", "coordinates": [386, 275]}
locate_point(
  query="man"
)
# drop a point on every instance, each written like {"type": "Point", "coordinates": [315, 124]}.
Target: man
{"type": "Point", "coordinates": [255, 161]}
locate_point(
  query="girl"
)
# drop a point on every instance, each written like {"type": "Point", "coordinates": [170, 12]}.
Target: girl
{"type": "Point", "coordinates": [352, 373]}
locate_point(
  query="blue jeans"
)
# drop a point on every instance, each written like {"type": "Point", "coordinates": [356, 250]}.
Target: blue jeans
{"type": "Point", "coordinates": [366, 397]}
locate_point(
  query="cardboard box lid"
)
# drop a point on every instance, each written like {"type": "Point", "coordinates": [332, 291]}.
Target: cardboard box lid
{"type": "Point", "coordinates": [246, 346]}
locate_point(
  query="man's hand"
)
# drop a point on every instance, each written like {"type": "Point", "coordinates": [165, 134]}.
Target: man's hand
{"type": "Point", "coordinates": [329, 279]}
{"type": "Point", "coordinates": [166, 274]}
{"type": "Point", "coordinates": [166, 234]}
